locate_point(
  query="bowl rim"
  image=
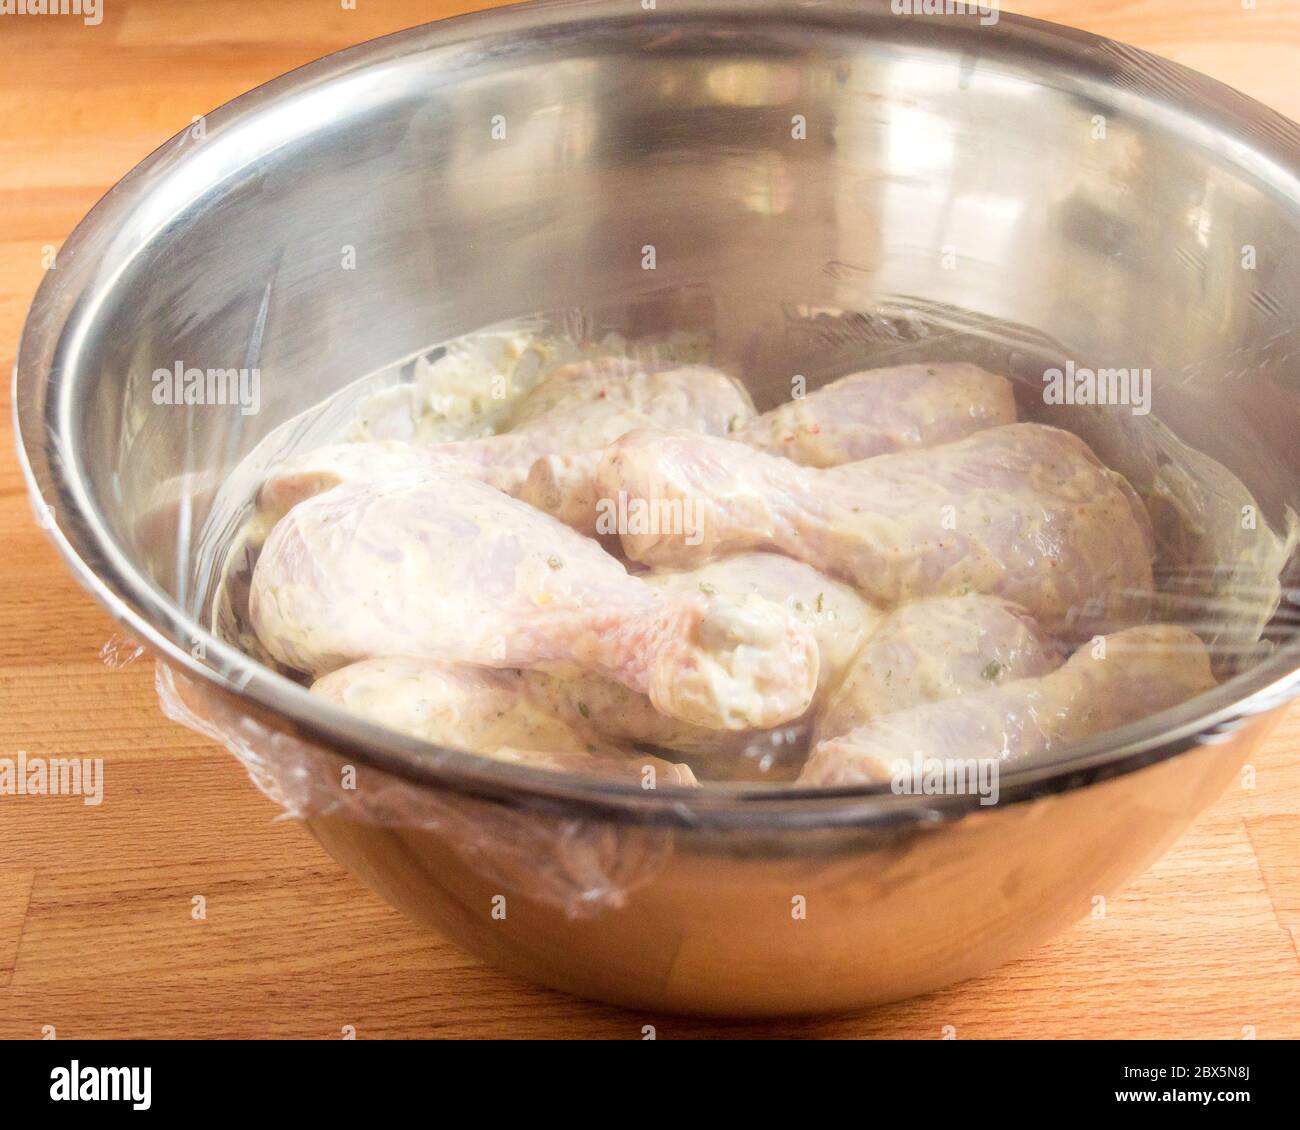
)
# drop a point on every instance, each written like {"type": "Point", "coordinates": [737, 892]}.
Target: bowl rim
{"type": "Point", "coordinates": [52, 471]}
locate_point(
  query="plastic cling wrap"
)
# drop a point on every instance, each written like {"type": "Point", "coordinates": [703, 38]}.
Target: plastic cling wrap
{"type": "Point", "coordinates": [580, 867]}
{"type": "Point", "coordinates": [959, 399]}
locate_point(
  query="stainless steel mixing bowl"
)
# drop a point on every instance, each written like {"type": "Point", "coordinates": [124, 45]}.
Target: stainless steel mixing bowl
{"type": "Point", "coordinates": [824, 185]}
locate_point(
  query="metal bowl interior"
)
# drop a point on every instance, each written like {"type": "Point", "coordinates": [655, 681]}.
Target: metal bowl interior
{"type": "Point", "coordinates": [825, 186]}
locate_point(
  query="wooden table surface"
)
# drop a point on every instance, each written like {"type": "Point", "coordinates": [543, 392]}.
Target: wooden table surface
{"type": "Point", "coordinates": [96, 932]}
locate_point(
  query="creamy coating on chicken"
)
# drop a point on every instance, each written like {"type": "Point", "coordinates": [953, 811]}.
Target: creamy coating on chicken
{"type": "Point", "coordinates": [881, 411]}
{"type": "Point", "coordinates": [482, 710]}
{"type": "Point", "coordinates": [1024, 511]}
{"type": "Point", "coordinates": [935, 649]}
{"type": "Point", "coordinates": [1127, 676]}
{"type": "Point", "coordinates": [837, 616]}
{"type": "Point", "coordinates": [464, 389]}
{"type": "Point", "coordinates": [444, 567]}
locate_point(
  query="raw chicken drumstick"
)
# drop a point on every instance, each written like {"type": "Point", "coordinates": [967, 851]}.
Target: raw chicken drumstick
{"type": "Point", "coordinates": [837, 617]}
{"type": "Point", "coordinates": [443, 567]}
{"type": "Point", "coordinates": [1142, 671]}
{"type": "Point", "coordinates": [481, 710]}
{"type": "Point", "coordinates": [1025, 512]}
{"type": "Point", "coordinates": [577, 408]}
{"type": "Point", "coordinates": [931, 650]}
{"type": "Point", "coordinates": [881, 411]}
{"type": "Point", "coordinates": [858, 416]}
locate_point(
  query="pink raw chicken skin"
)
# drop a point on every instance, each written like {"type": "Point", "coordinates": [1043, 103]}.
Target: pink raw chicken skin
{"type": "Point", "coordinates": [859, 416]}
{"type": "Point", "coordinates": [300, 477]}
{"type": "Point", "coordinates": [1141, 671]}
{"type": "Point", "coordinates": [442, 567]}
{"type": "Point", "coordinates": [1025, 512]}
{"type": "Point", "coordinates": [882, 411]}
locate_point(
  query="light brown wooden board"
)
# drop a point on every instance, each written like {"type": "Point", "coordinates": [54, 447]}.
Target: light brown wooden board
{"type": "Point", "coordinates": [96, 934]}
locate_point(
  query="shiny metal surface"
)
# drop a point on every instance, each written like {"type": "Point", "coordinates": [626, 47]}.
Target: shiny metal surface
{"type": "Point", "coordinates": [810, 176]}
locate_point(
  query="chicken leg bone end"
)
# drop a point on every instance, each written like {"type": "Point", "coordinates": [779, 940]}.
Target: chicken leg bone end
{"type": "Point", "coordinates": [744, 664]}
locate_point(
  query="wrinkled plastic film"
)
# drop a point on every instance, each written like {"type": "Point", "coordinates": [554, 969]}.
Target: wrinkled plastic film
{"type": "Point", "coordinates": [580, 867]}
{"type": "Point", "coordinates": [1220, 575]}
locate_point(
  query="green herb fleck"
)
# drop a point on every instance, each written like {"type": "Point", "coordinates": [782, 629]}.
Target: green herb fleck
{"type": "Point", "coordinates": [707, 589]}
{"type": "Point", "coordinates": [993, 670]}
{"type": "Point", "coordinates": [582, 709]}
{"type": "Point", "coordinates": [555, 563]}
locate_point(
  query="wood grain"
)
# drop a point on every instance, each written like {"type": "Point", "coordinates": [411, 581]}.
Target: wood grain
{"type": "Point", "coordinates": [97, 931]}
